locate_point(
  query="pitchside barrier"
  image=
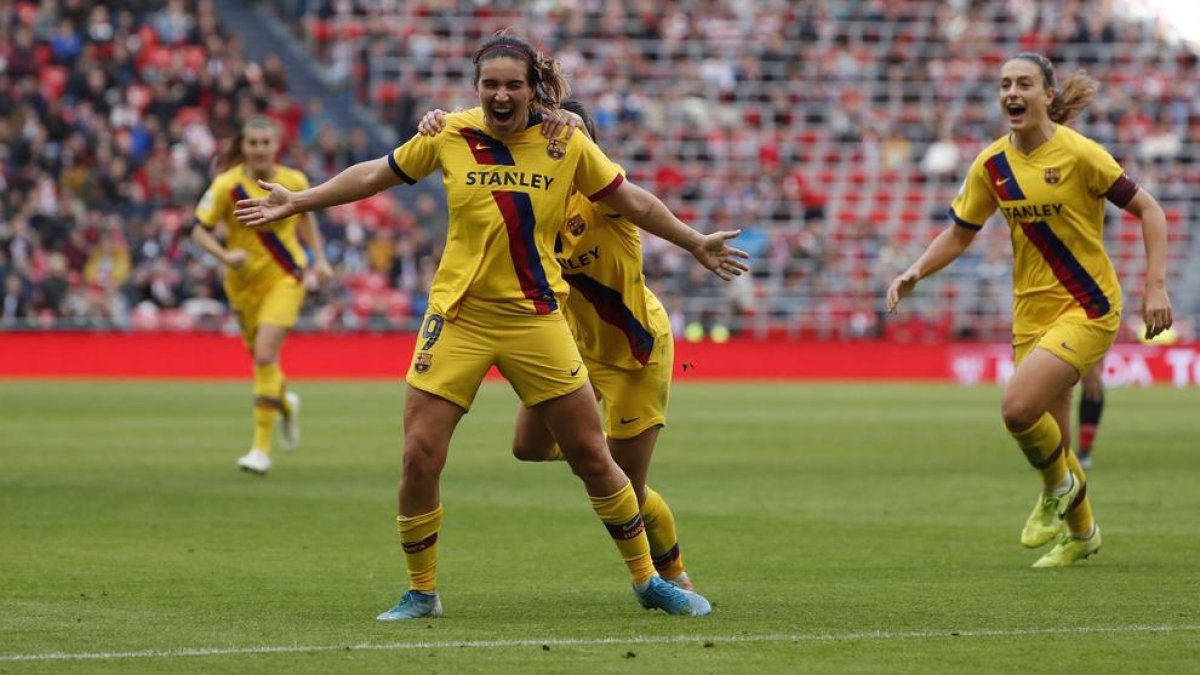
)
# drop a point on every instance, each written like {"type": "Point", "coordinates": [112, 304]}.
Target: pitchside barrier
{"type": "Point", "coordinates": [386, 355]}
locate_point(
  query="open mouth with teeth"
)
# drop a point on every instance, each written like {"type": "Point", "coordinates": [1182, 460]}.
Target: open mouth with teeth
{"type": "Point", "coordinates": [503, 113]}
{"type": "Point", "coordinates": [1016, 112]}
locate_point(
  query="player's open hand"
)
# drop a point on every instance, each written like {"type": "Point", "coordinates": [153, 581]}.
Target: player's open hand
{"type": "Point", "coordinates": [1156, 312]}
{"type": "Point", "coordinates": [262, 210]}
{"type": "Point", "coordinates": [432, 122]}
{"type": "Point", "coordinates": [719, 257]}
{"type": "Point", "coordinates": [900, 288]}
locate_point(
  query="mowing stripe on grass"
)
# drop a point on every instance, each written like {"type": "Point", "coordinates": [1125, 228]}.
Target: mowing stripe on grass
{"type": "Point", "coordinates": [588, 642]}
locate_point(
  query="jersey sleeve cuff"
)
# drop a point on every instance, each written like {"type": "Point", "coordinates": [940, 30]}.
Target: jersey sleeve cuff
{"type": "Point", "coordinates": [397, 170]}
{"type": "Point", "coordinates": [608, 189]}
{"type": "Point", "coordinates": [963, 223]}
{"type": "Point", "coordinates": [1122, 191]}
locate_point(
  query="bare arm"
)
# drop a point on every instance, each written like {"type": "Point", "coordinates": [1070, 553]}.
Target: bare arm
{"type": "Point", "coordinates": [649, 213]}
{"type": "Point", "coordinates": [943, 250]}
{"type": "Point", "coordinates": [311, 234]}
{"type": "Point", "coordinates": [1156, 308]}
{"type": "Point", "coordinates": [357, 182]}
{"type": "Point", "coordinates": [209, 242]}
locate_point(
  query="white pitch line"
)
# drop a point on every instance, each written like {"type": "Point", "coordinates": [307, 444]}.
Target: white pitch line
{"type": "Point", "coordinates": [585, 642]}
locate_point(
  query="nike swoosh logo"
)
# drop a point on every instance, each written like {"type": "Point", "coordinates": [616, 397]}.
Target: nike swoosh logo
{"type": "Point", "coordinates": [575, 370]}
{"type": "Point", "coordinates": [629, 420]}
{"type": "Point", "coordinates": [1000, 182]}
{"type": "Point", "coordinates": [1067, 347]}
{"type": "Point", "coordinates": [479, 146]}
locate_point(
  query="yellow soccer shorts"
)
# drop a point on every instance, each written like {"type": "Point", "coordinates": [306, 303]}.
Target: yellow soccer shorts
{"type": "Point", "coordinates": [634, 400]}
{"type": "Point", "coordinates": [276, 303]}
{"type": "Point", "coordinates": [1079, 341]}
{"type": "Point", "coordinates": [534, 352]}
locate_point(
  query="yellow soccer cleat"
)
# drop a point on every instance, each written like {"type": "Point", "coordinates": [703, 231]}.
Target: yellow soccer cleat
{"type": "Point", "coordinates": [1046, 520]}
{"type": "Point", "coordinates": [1070, 549]}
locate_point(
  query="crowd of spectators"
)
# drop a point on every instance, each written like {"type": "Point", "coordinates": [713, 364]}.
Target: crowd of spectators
{"type": "Point", "coordinates": [835, 133]}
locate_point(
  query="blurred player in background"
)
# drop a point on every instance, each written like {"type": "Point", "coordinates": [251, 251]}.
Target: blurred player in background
{"type": "Point", "coordinates": [496, 298]}
{"type": "Point", "coordinates": [264, 276]}
{"type": "Point", "coordinates": [1091, 406]}
{"type": "Point", "coordinates": [624, 336]}
{"type": "Point", "coordinates": [1050, 183]}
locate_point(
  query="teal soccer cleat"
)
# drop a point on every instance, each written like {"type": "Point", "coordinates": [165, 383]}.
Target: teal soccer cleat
{"type": "Point", "coordinates": [661, 594]}
{"type": "Point", "coordinates": [414, 605]}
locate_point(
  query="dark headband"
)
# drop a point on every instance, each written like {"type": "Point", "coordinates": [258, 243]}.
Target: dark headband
{"type": "Point", "coordinates": [525, 52]}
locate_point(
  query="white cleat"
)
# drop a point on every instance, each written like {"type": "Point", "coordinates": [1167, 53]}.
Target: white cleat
{"type": "Point", "coordinates": [289, 424]}
{"type": "Point", "coordinates": [256, 461]}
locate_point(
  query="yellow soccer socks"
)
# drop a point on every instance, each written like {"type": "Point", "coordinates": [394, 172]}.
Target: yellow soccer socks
{"type": "Point", "coordinates": [660, 531]}
{"type": "Point", "coordinates": [620, 515]}
{"type": "Point", "coordinates": [418, 536]}
{"type": "Point", "coordinates": [1041, 445]}
{"type": "Point", "coordinates": [268, 400]}
{"type": "Point", "coordinates": [1079, 514]}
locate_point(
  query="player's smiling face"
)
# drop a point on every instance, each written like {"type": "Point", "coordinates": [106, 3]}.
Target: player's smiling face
{"type": "Point", "coordinates": [259, 145]}
{"type": "Point", "coordinates": [1023, 94]}
{"type": "Point", "coordinates": [504, 94]}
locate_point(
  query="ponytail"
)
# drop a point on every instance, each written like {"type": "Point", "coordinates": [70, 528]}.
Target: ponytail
{"type": "Point", "coordinates": [1077, 93]}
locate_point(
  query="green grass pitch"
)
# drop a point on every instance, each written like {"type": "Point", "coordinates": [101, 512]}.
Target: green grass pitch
{"type": "Point", "coordinates": [836, 528]}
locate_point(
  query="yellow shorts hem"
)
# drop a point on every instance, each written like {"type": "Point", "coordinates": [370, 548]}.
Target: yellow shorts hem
{"type": "Point", "coordinates": [557, 393]}
{"type": "Point", "coordinates": [1071, 359]}
{"type": "Point", "coordinates": [636, 430]}
{"type": "Point", "coordinates": [456, 400]}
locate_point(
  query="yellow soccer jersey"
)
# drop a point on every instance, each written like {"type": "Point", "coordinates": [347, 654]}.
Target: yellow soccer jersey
{"type": "Point", "coordinates": [507, 202]}
{"type": "Point", "coordinates": [1053, 200]}
{"type": "Point", "coordinates": [615, 318]}
{"type": "Point", "coordinates": [272, 251]}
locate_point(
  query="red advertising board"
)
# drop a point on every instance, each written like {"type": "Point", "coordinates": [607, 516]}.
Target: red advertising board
{"type": "Point", "coordinates": [386, 355]}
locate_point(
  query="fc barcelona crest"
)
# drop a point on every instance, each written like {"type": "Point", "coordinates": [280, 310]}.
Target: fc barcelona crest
{"type": "Point", "coordinates": [423, 361]}
{"type": "Point", "coordinates": [556, 149]}
{"type": "Point", "coordinates": [1052, 176]}
{"type": "Point", "coordinates": [576, 225]}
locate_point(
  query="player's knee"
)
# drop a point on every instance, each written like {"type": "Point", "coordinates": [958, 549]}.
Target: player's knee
{"type": "Point", "coordinates": [589, 463]}
{"type": "Point", "coordinates": [1018, 414]}
{"type": "Point", "coordinates": [422, 457]}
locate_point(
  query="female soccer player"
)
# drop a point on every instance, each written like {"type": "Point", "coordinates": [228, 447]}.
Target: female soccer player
{"type": "Point", "coordinates": [264, 276]}
{"type": "Point", "coordinates": [624, 336]}
{"type": "Point", "coordinates": [496, 298]}
{"type": "Point", "coordinates": [1050, 184]}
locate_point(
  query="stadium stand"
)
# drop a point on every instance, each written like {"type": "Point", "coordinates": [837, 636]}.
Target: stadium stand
{"type": "Point", "coordinates": [835, 133]}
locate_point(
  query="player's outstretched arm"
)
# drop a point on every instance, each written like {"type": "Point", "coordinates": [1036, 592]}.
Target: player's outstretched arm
{"type": "Point", "coordinates": [357, 182]}
{"type": "Point", "coordinates": [649, 213]}
{"type": "Point", "coordinates": [1156, 305]}
{"type": "Point", "coordinates": [942, 251]}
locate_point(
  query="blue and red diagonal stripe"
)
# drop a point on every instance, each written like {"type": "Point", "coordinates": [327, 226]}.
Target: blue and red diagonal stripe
{"type": "Point", "coordinates": [271, 241]}
{"type": "Point", "coordinates": [1002, 178]}
{"type": "Point", "coordinates": [517, 210]}
{"type": "Point", "coordinates": [280, 253]}
{"type": "Point", "coordinates": [613, 310]}
{"type": "Point", "coordinates": [1067, 269]}
{"type": "Point", "coordinates": [487, 150]}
